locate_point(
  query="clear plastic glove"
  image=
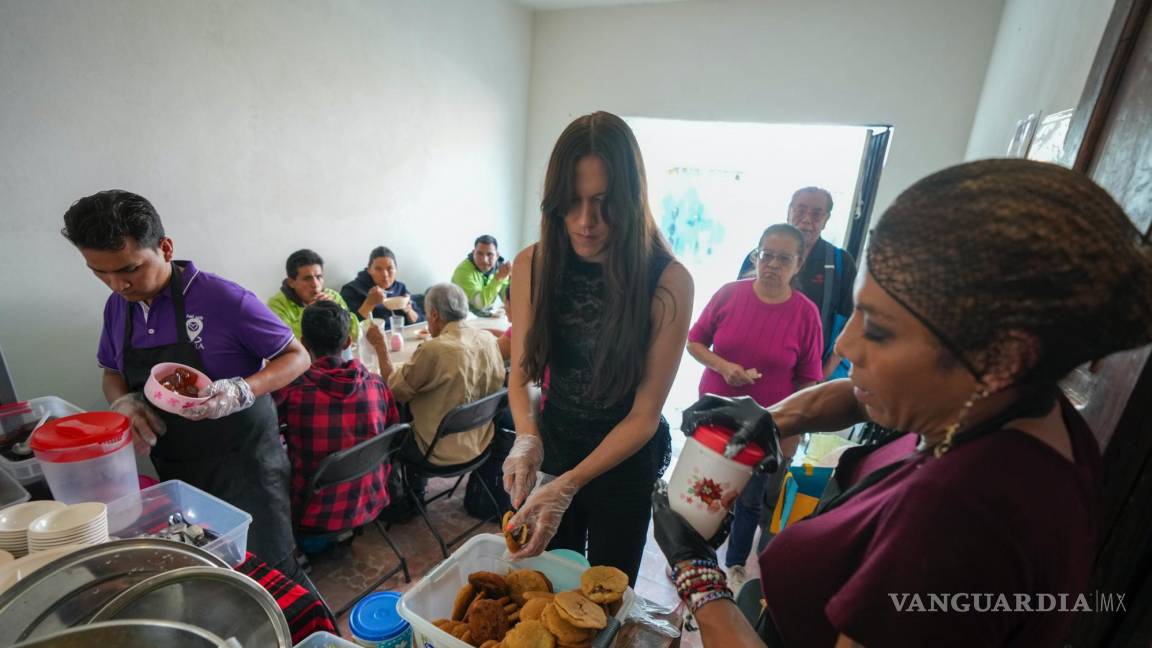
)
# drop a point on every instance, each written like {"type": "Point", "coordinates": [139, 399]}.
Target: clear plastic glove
{"type": "Point", "coordinates": [520, 466]}
{"type": "Point", "coordinates": [678, 540]}
{"type": "Point", "coordinates": [748, 421]}
{"type": "Point", "coordinates": [146, 423]}
{"type": "Point", "coordinates": [226, 396]}
{"type": "Point", "coordinates": [542, 513]}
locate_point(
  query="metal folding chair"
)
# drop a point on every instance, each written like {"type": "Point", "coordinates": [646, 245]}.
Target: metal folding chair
{"type": "Point", "coordinates": [351, 464]}
{"type": "Point", "coordinates": [461, 419]}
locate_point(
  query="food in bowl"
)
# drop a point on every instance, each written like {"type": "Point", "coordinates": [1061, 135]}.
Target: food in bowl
{"type": "Point", "coordinates": [182, 381]}
{"type": "Point", "coordinates": [489, 610]}
{"type": "Point", "coordinates": [172, 401]}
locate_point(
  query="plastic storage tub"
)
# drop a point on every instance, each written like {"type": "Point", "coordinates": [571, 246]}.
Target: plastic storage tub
{"type": "Point", "coordinates": [432, 596]}
{"type": "Point", "coordinates": [147, 512]}
{"type": "Point", "coordinates": [32, 410]}
{"type": "Point", "coordinates": [325, 640]}
{"type": "Point", "coordinates": [87, 457]}
{"type": "Point", "coordinates": [11, 492]}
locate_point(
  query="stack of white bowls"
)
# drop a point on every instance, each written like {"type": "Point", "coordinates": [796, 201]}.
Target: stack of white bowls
{"type": "Point", "coordinates": [84, 523]}
{"type": "Point", "coordinates": [14, 522]}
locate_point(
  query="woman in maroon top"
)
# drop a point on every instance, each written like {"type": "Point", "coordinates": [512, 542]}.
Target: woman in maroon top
{"type": "Point", "coordinates": [986, 283]}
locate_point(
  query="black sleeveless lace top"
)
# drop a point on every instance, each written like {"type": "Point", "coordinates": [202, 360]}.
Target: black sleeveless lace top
{"type": "Point", "coordinates": [573, 423]}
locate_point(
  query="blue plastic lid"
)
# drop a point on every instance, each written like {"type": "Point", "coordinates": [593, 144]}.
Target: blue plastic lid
{"type": "Point", "coordinates": [375, 617]}
{"type": "Point", "coordinates": [574, 556]}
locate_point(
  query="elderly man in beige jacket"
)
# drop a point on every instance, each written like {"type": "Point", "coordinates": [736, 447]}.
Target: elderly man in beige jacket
{"type": "Point", "coordinates": [457, 365]}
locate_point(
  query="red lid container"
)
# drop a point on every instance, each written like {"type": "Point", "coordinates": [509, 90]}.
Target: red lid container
{"type": "Point", "coordinates": [81, 436]}
{"type": "Point", "coordinates": [715, 438]}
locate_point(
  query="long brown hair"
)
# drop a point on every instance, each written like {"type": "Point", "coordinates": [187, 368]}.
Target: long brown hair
{"type": "Point", "coordinates": [618, 361]}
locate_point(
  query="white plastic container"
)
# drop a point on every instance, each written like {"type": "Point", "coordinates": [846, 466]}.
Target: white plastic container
{"type": "Point", "coordinates": [11, 492]}
{"type": "Point", "coordinates": [432, 596]}
{"type": "Point", "coordinates": [704, 483]}
{"type": "Point", "coordinates": [87, 457]}
{"type": "Point", "coordinates": [12, 416]}
{"type": "Point", "coordinates": [147, 511]}
{"type": "Point", "coordinates": [366, 354]}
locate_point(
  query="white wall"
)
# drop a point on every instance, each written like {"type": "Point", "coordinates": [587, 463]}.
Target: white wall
{"type": "Point", "coordinates": [917, 64]}
{"type": "Point", "coordinates": [256, 128]}
{"type": "Point", "coordinates": [1041, 60]}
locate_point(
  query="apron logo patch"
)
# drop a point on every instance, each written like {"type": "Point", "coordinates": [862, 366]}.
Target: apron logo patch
{"type": "Point", "coordinates": [195, 326]}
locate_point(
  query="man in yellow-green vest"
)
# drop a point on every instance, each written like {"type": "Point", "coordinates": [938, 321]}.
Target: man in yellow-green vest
{"type": "Point", "coordinates": [303, 286]}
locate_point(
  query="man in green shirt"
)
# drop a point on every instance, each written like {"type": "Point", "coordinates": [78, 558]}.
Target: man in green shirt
{"type": "Point", "coordinates": [304, 286]}
{"type": "Point", "coordinates": [482, 275]}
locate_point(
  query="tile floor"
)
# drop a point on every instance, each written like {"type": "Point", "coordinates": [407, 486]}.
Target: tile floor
{"type": "Point", "coordinates": [342, 572]}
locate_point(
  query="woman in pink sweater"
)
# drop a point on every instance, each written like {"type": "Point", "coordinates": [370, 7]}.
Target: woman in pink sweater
{"type": "Point", "coordinates": [762, 339]}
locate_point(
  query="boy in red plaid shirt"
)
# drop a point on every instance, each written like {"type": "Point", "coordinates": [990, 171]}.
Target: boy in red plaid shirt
{"type": "Point", "coordinates": [333, 405]}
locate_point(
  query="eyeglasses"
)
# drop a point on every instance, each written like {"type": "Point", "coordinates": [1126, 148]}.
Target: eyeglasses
{"type": "Point", "coordinates": [764, 255]}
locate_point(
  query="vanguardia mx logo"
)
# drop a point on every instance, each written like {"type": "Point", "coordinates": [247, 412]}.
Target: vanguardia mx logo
{"type": "Point", "coordinates": [1019, 602]}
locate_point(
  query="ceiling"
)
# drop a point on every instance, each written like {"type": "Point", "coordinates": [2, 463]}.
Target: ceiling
{"type": "Point", "coordinates": [547, 5]}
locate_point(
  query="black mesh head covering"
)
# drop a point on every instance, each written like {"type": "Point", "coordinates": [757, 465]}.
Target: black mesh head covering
{"type": "Point", "coordinates": [986, 247]}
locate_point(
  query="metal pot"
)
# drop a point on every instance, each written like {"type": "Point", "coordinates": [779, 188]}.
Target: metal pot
{"type": "Point", "coordinates": [69, 590]}
{"type": "Point", "coordinates": [130, 634]}
{"type": "Point", "coordinates": [224, 602]}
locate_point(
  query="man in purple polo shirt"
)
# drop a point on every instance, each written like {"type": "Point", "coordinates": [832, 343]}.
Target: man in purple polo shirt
{"type": "Point", "coordinates": [170, 311]}
{"type": "Point", "coordinates": [228, 345]}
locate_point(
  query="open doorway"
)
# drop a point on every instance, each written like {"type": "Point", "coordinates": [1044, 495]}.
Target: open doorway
{"type": "Point", "coordinates": [714, 186]}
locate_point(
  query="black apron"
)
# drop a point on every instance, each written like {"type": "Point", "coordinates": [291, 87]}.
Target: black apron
{"type": "Point", "coordinates": [237, 458]}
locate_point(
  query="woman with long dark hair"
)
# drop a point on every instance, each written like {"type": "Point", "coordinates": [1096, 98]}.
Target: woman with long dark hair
{"type": "Point", "coordinates": [604, 308]}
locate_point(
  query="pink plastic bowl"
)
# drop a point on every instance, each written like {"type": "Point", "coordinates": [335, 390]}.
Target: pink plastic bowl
{"type": "Point", "coordinates": [168, 400]}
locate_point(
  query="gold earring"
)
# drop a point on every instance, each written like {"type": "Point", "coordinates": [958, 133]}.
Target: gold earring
{"type": "Point", "coordinates": [946, 445]}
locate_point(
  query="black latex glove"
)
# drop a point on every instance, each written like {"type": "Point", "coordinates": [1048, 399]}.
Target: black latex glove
{"type": "Point", "coordinates": [750, 422]}
{"type": "Point", "coordinates": [677, 539]}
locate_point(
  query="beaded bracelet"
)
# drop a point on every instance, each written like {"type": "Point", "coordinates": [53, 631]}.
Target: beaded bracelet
{"type": "Point", "coordinates": [694, 565]}
{"type": "Point", "coordinates": [700, 600]}
{"type": "Point", "coordinates": [699, 573]}
{"type": "Point", "coordinates": [698, 577]}
{"type": "Point", "coordinates": [700, 581]}
{"type": "Point", "coordinates": [688, 593]}
{"type": "Point", "coordinates": [689, 564]}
